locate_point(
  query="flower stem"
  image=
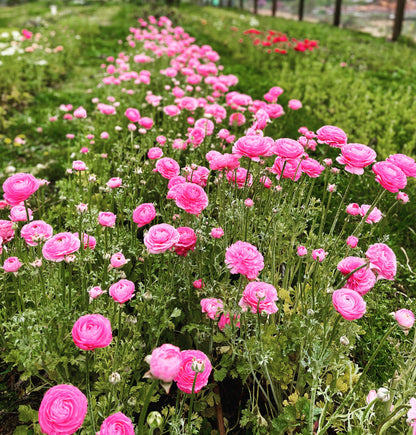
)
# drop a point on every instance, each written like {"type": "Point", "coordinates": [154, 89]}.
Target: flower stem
{"type": "Point", "coordinates": [191, 404]}
{"type": "Point", "coordinates": [149, 395]}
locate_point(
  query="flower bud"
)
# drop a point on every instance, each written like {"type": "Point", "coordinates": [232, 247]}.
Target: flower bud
{"type": "Point", "coordinates": [344, 340]}
{"type": "Point", "coordinates": [114, 378]}
{"type": "Point", "coordinates": [154, 419]}
{"type": "Point", "coordinates": [383, 394]}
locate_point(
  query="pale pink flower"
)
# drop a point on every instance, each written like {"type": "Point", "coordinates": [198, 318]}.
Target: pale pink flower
{"type": "Point", "coordinates": [6, 230]}
{"type": "Point", "coordinates": [352, 241]}
{"type": "Point", "coordinates": [382, 261]}
{"type": "Point", "coordinates": [94, 292]}
{"type": "Point", "coordinates": [405, 319]}
{"type": "Point", "coordinates": [12, 264]}
{"type": "Point", "coordinates": [104, 135]}
{"type": "Point", "coordinates": [118, 260]}
{"type": "Point", "coordinates": [295, 104]}
{"type": "Point", "coordinates": [372, 395]}
{"type": "Point", "coordinates": [259, 296]}
{"type": "Point", "coordinates": [36, 231]}
{"type": "Point", "coordinates": [160, 238]}
{"type": "Point", "coordinates": [165, 362]}
{"type": "Point", "coordinates": [249, 202]}
{"type": "Point", "coordinates": [114, 182]}
{"type": "Point", "coordinates": [18, 213]}
{"type": "Point", "coordinates": [82, 208]}
{"type": "Point", "coordinates": [375, 215]}
{"type": "Point", "coordinates": [217, 233]}
{"type": "Point", "coordinates": [80, 112]}
{"type": "Point", "coordinates": [402, 197]}
{"type": "Point", "coordinates": [212, 307]}
{"type": "Point", "coordinates": [240, 177]}
{"type": "Point", "coordinates": [349, 303]}
{"type": "Point", "coordinates": [242, 257]}
{"type": "Point", "coordinates": [319, 254]}
{"type": "Point", "coordinates": [79, 165]}
{"type": "Point", "coordinates": [107, 219]}
{"type": "Point", "coordinates": [60, 246]}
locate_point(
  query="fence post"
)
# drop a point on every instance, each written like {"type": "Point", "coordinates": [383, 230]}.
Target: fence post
{"type": "Point", "coordinates": [301, 9]}
{"type": "Point", "coordinates": [274, 7]}
{"type": "Point", "coordinates": [398, 19]}
{"type": "Point", "coordinates": [337, 13]}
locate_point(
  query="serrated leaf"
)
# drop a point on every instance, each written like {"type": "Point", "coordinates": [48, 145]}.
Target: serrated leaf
{"type": "Point", "coordinates": [176, 312]}
{"type": "Point", "coordinates": [27, 414]}
{"type": "Point", "coordinates": [219, 375]}
{"type": "Point", "coordinates": [21, 430]}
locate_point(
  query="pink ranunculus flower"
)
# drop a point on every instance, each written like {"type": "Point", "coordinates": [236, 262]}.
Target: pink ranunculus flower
{"type": "Point", "coordinates": [311, 167]}
{"type": "Point", "coordinates": [319, 254]}
{"type": "Point", "coordinates": [411, 413]}
{"type": "Point", "coordinates": [144, 214]}
{"type": "Point", "coordinates": [187, 241]}
{"type": "Point", "coordinates": [225, 320]}
{"type": "Point", "coordinates": [89, 241]}
{"type": "Point", "coordinates": [193, 360]}
{"type": "Point", "coordinates": [240, 177]}
{"type": "Point", "coordinates": [295, 104]}
{"type": "Point", "coordinates": [62, 410]}
{"type": "Point", "coordinates": [133, 115]}
{"type": "Point", "coordinates": [167, 167]}
{"type": "Point", "coordinates": [372, 395]}
{"type": "Point", "coordinates": [160, 238]}
{"type": "Point", "coordinates": [146, 122]}
{"type": "Point", "coordinates": [217, 233]}
{"type": "Point", "coordinates": [219, 162]}
{"type": "Point", "coordinates": [356, 157]}
{"type": "Point", "coordinates": [332, 136]}
{"type": "Point", "coordinates": [253, 147]}
{"type": "Point", "coordinates": [198, 175]}
{"type": "Point", "coordinates": [405, 163]}
{"type": "Point", "coordinates": [405, 319]}
{"type": "Point", "coordinates": [92, 331]}
{"type": "Point", "coordinates": [259, 296]}
{"type": "Point", "coordinates": [242, 257]}
{"type": "Point", "coordinates": [36, 231]}
{"type": "Point", "coordinates": [117, 423]}
{"type": "Point", "coordinates": [189, 197]}
{"type": "Point", "coordinates": [12, 264]}
{"type": "Point", "coordinates": [80, 112]}
{"type": "Point", "coordinates": [390, 176]}
{"type": "Point", "coordinates": [402, 197]}
{"type": "Point", "coordinates": [352, 241]}
{"type": "Point", "coordinates": [353, 209]}
{"type": "Point", "coordinates": [363, 280]}
{"type": "Point", "coordinates": [198, 284]}
{"type": "Point", "coordinates": [18, 214]}
{"type": "Point", "coordinates": [58, 247]}
{"type": "Point", "coordinates": [6, 230]}
{"type": "Point", "coordinates": [94, 292]}
{"type": "Point", "coordinates": [287, 168]}
{"type": "Point", "coordinates": [302, 251]}
{"type": "Point", "coordinates": [107, 219]}
{"type": "Point", "coordinates": [114, 182]}
{"type": "Point", "coordinates": [165, 362]}
{"type": "Point", "coordinates": [118, 260]}
{"type": "Point", "coordinates": [212, 307]}
{"type": "Point", "coordinates": [122, 291]}
{"type": "Point", "coordinates": [287, 148]}
{"type": "Point", "coordinates": [375, 215]}
{"type": "Point", "coordinates": [79, 165]}
{"type": "Point", "coordinates": [19, 187]}
{"type": "Point", "coordinates": [155, 153]}
{"type": "Point", "coordinates": [382, 261]}
{"type": "Point", "coordinates": [349, 303]}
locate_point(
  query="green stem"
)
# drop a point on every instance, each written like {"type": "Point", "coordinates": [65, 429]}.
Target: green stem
{"type": "Point", "coordinates": [340, 205]}
{"type": "Point", "coordinates": [87, 362]}
{"type": "Point", "coordinates": [191, 404]}
{"type": "Point", "coordinates": [149, 395]}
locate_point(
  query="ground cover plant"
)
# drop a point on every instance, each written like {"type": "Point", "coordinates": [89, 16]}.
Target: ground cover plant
{"type": "Point", "coordinates": [193, 270]}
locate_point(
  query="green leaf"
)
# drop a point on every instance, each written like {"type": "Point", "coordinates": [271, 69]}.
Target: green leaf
{"type": "Point", "coordinates": [176, 312]}
{"type": "Point", "coordinates": [27, 414]}
{"type": "Point", "coordinates": [21, 430]}
{"type": "Point", "coordinates": [219, 375]}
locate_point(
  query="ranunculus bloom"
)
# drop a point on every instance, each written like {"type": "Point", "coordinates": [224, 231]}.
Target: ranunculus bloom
{"type": "Point", "coordinates": [302, 251]}
{"type": "Point", "coordinates": [411, 413]}
{"type": "Point", "coordinates": [187, 241]}
{"type": "Point", "coordinates": [198, 284]}
{"type": "Point", "coordinates": [332, 136]}
{"type": "Point", "coordinates": [12, 264]}
{"type": "Point", "coordinates": [225, 320]}
{"type": "Point", "coordinates": [349, 303]}
{"type": "Point", "coordinates": [122, 291]}
{"type": "Point", "coordinates": [89, 241]}
{"type": "Point", "coordinates": [212, 307]}
{"type": "Point", "coordinates": [114, 182]}
{"type": "Point", "coordinates": [372, 394]}
{"type": "Point", "coordinates": [402, 197]}
{"type": "Point", "coordinates": [353, 209]}
{"type": "Point", "coordinates": [259, 296]}
{"type": "Point", "coordinates": [311, 167]}
{"type": "Point", "coordinates": [375, 215]}
{"type": "Point", "coordinates": [192, 359]}
{"type": "Point", "coordinates": [117, 260]}
{"type": "Point", "coordinates": [161, 238]}
{"type": "Point", "coordinates": [145, 122]}
{"type": "Point", "coordinates": [165, 362]}
{"type": "Point", "coordinates": [287, 168]}
{"type": "Point", "coordinates": [287, 148]}
{"type": "Point", "coordinates": [80, 112]}
{"type": "Point", "coordinates": [356, 157]}
{"type": "Point", "coordinates": [189, 197]}
{"type": "Point", "coordinates": [361, 281]}
{"type": "Point", "coordinates": [167, 167]}
{"type": "Point", "coordinates": [133, 115]}
{"type": "Point", "coordinates": [217, 233]}
{"type": "Point", "coordinates": [198, 175]}
{"type": "Point", "coordinates": [117, 423]}
{"type": "Point", "coordinates": [36, 231]}
{"type": "Point", "coordinates": [405, 319]}
{"type": "Point", "coordinates": [352, 241]}
{"type": "Point", "coordinates": [240, 177]}
{"type": "Point", "coordinates": [390, 176]}
{"type": "Point", "coordinates": [295, 104]}
{"type": "Point", "coordinates": [382, 261]}
{"type": "Point", "coordinates": [18, 213]}
{"type": "Point", "coordinates": [94, 292]}
{"type": "Point", "coordinates": [107, 219]}
{"type": "Point", "coordinates": [60, 246]}
{"type": "Point", "coordinates": [218, 161]}
{"type": "Point", "coordinates": [144, 214]}
{"type": "Point", "coordinates": [79, 165]}
{"type": "Point", "coordinates": [405, 163]}
{"type": "Point", "coordinates": [6, 230]}
{"type": "Point", "coordinates": [242, 257]}
{"type": "Point", "coordinates": [92, 331]}
{"type": "Point", "coordinates": [62, 410]}
{"type": "Point", "coordinates": [19, 187]}
{"type": "Point", "coordinates": [155, 153]}
{"type": "Point", "coordinates": [319, 254]}
{"type": "Point", "coordinates": [253, 147]}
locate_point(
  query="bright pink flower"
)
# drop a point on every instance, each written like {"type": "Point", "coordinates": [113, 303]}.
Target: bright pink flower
{"type": "Point", "coordinates": [107, 219]}
{"type": "Point", "coordinates": [117, 423]}
{"type": "Point", "coordinates": [161, 140]}
{"type": "Point", "coordinates": [79, 165]}
{"type": "Point", "coordinates": [311, 167]}
{"type": "Point", "coordinates": [226, 320]}
{"type": "Point", "coordinates": [114, 182]}
{"type": "Point", "coordinates": [155, 153]}
{"type": "Point", "coordinates": [167, 167]}
{"type": "Point", "coordinates": [390, 176]}
{"type": "Point", "coordinates": [212, 307]}
{"type": "Point", "coordinates": [6, 230]}
{"type": "Point", "coordinates": [259, 296]}
{"type": "Point", "coordinates": [104, 135]}
{"type": "Point", "coordinates": [361, 281]}
{"type": "Point", "coordinates": [402, 197]}
{"type": "Point", "coordinates": [405, 163]}
{"type": "Point", "coordinates": [118, 260]}
{"type": "Point", "coordinates": [94, 292]}
{"type": "Point", "coordinates": [356, 157]}
{"type": "Point", "coordinates": [18, 213]}
{"type": "Point", "coordinates": [198, 284]}
{"type": "Point", "coordinates": [288, 148]}
{"type": "Point", "coordinates": [27, 34]}
{"type": "Point", "coordinates": [302, 251]}
{"type": "Point", "coordinates": [145, 122]}
{"type": "Point", "coordinates": [206, 124]}
{"type": "Point", "coordinates": [122, 291]}
{"type": "Point", "coordinates": [187, 241]}
{"type": "Point", "coordinates": [382, 261]}
{"type": "Point", "coordinates": [80, 112]}
{"type": "Point", "coordinates": [349, 303]}
{"type": "Point", "coordinates": [249, 202]}
{"type": "Point", "coordinates": [198, 175]}
{"type": "Point", "coordinates": [12, 264]}
{"type": "Point", "coordinates": [165, 362]}
{"type": "Point", "coordinates": [291, 168]}
{"type": "Point", "coordinates": [274, 110]}
{"type": "Point", "coordinates": [19, 187]}
{"type": "Point", "coordinates": [237, 119]}
{"type": "Point", "coordinates": [171, 110]}
{"type": "Point", "coordinates": [89, 241]}
{"type": "Point", "coordinates": [332, 136]}
{"type": "Point", "coordinates": [352, 241]}
{"type": "Point", "coordinates": [353, 209]}
{"type": "Point", "coordinates": [133, 115]}
{"type": "Point", "coordinates": [176, 180]}
{"type": "Point", "coordinates": [218, 161]}
{"type": "Point", "coordinates": [405, 319]}
{"type": "Point", "coordinates": [193, 360]}
{"type": "Point", "coordinates": [92, 331]}
{"type": "Point", "coordinates": [217, 233]}
{"type": "Point", "coordinates": [241, 177]}
{"type": "Point", "coordinates": [295, 104]}
{"type": "Point", "coordinates": [36, 231]}
{"type": "Point", "coordinates": [189, 197]}
{"type": "Point", "coordinates": [144, 214]}
{"type": "Point", "coordinates": [242, 257]}
{"type": "Point", "coordinates": [160, 238]}
{"type": "Point", "coordinates": [375, 215]}
{"type": "Point", "coordinates": [319, 254]}
{"type": "Point", "coordinates": [62, 410]}
{"type": "Point", "coordinates": [253, 147]}
{"type": "Point", "coordinates": [266, 182]}
{"type": "Point", "coordinates": [60, 246]}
